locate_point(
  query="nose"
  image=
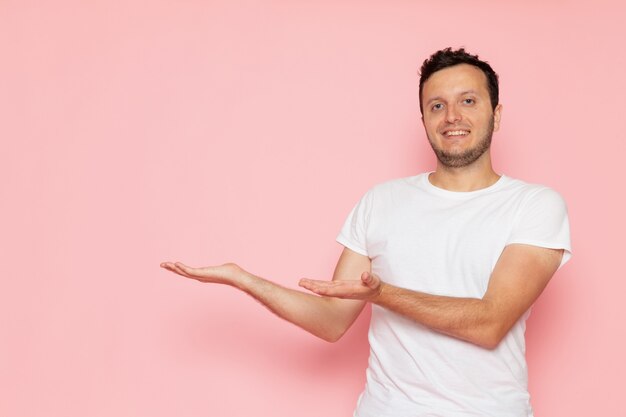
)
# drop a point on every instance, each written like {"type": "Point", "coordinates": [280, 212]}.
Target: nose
{"type": "Point", "coordinates": [452, 114]}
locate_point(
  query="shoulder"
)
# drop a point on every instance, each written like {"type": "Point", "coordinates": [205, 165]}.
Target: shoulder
{"type": "Point", "coordinates": [541, 219]}
{"type": "Point", "coordinates": [531, 194]}
{"type": "Point", "coordinates": [396, 185]}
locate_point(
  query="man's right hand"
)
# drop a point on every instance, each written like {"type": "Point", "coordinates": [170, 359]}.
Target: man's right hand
{"type": "Point", "coordinates": [222, 274]}
{"type": "Point", "coordinates": [325, 317]}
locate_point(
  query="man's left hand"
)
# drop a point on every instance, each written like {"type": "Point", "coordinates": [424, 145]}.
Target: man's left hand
{"type": "Point", "coordinates": [366, 289]}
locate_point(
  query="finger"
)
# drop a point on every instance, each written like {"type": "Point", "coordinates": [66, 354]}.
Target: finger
{"type": "Point", "coordinates": [318, 287]}
{"type": "Point", "coordinates": [309, 284]}
{"type": "Point", "coordinates": [313, 283]}
{"type": "Point", "coordinates": [169, 266]}
{"type": "Point", "coordinates": [370, 279]}
{"type": "Point", "coordinates": [173, 267]}
{"type": "Point", "coordinates": [187, 271]}
{"type": "Point", "coordinates": [182, 266]}
{"type": "Point", "coordinates": [194, 272]}
{"type": "Point", "coordinates": [304, 282]}
{"type": "Point", "coordinates": [337, 289]}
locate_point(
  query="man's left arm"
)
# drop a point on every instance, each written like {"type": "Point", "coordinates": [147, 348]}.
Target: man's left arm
{"type": "Point", "coordinates": [519, 277]}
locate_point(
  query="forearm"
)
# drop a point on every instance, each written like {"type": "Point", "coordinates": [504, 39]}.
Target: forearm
{"type": "Point", "coordinates": [324, 317]}
{"type": "Point", "coordinates": [470, 319]}
{"type": "Point", "coordinates": [519, 277]}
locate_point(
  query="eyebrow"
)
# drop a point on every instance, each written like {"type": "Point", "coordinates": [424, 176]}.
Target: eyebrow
{"type": "Point", "coordinates": [461, 94]}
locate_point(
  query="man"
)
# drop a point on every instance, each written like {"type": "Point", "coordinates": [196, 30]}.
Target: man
{"type": "Point", "coordinates": [451, 262]}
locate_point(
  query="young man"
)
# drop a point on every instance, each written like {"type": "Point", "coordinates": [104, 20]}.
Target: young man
{"type": "Point", "coordinates": [451, 262]}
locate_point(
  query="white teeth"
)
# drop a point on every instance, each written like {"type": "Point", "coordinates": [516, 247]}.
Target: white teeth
{"type": "Point", "coordinates": [457, 133]}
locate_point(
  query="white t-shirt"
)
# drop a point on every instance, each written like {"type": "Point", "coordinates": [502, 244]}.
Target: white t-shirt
{"type": "Point", "coordinates": [441, 242]}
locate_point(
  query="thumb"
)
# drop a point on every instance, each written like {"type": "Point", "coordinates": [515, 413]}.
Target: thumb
{"type": "Point", "coordinates": [369, 279]}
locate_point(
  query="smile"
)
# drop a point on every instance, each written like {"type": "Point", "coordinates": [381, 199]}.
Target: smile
{"type": "Point", "coordinates": [456, 133]}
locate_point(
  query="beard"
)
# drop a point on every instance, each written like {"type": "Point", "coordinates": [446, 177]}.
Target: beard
{"type": "Point", "coordinates": [468, 156]}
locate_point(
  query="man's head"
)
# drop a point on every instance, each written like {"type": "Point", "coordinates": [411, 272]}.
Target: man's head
{"type": "Point", "coordinates": [459, 104]}
{"type": "Point", "coordinates": [448, 57]}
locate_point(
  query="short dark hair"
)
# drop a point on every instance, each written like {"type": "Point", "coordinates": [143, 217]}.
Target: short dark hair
{"type": "Point", "coordinates": [448, 57]}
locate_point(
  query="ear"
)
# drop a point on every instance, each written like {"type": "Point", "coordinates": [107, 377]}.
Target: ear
{"type": "Point", "coordinates": [497, 114]}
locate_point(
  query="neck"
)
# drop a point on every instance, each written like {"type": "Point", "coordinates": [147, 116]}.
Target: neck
{"type": "Point", "coordinates": [476, 176]}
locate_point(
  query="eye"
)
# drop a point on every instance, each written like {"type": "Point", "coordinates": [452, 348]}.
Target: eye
{"type": "Point", "coordinates": [437, 106]}
{"type": "Point", "coordinates": [469, 101]}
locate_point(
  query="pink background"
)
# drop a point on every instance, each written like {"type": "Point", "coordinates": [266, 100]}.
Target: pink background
{"type": "Point", "coordinates": [135, 132]}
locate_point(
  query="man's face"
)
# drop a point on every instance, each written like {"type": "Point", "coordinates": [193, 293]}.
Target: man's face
{"type": "Point", "coordinates": [458, 118]}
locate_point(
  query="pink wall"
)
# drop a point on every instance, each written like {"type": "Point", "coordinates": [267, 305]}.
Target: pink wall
{"type": "Point", "coordinates": [208, 131]}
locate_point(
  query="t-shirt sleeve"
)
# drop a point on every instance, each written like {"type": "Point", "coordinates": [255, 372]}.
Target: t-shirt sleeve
{"type": "Point", "coordinates": [543, 221]}
{"type": "Point", "coordinates": [353, 234]}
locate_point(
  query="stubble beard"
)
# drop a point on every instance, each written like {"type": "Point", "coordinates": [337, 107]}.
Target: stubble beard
{"type": "Point", "coordinates": [468, 156]}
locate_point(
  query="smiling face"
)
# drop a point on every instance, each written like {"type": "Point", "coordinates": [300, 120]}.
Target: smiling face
{"type": "Point", "coordinates": [458, 116]}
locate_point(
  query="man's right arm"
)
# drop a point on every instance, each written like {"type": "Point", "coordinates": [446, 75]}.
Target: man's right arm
{"type": "Point", "coordinates": [326, 317]}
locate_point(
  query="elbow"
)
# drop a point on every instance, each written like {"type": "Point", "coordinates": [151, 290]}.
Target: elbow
{"type": "Point", "coordinates": [334, 336]}
{"type": "Point", "coordinates": [490, 337]}
{"type": "Point", "coordinates": [489, 343]}
{"type": "Point", "coordinates": [492, 328]}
